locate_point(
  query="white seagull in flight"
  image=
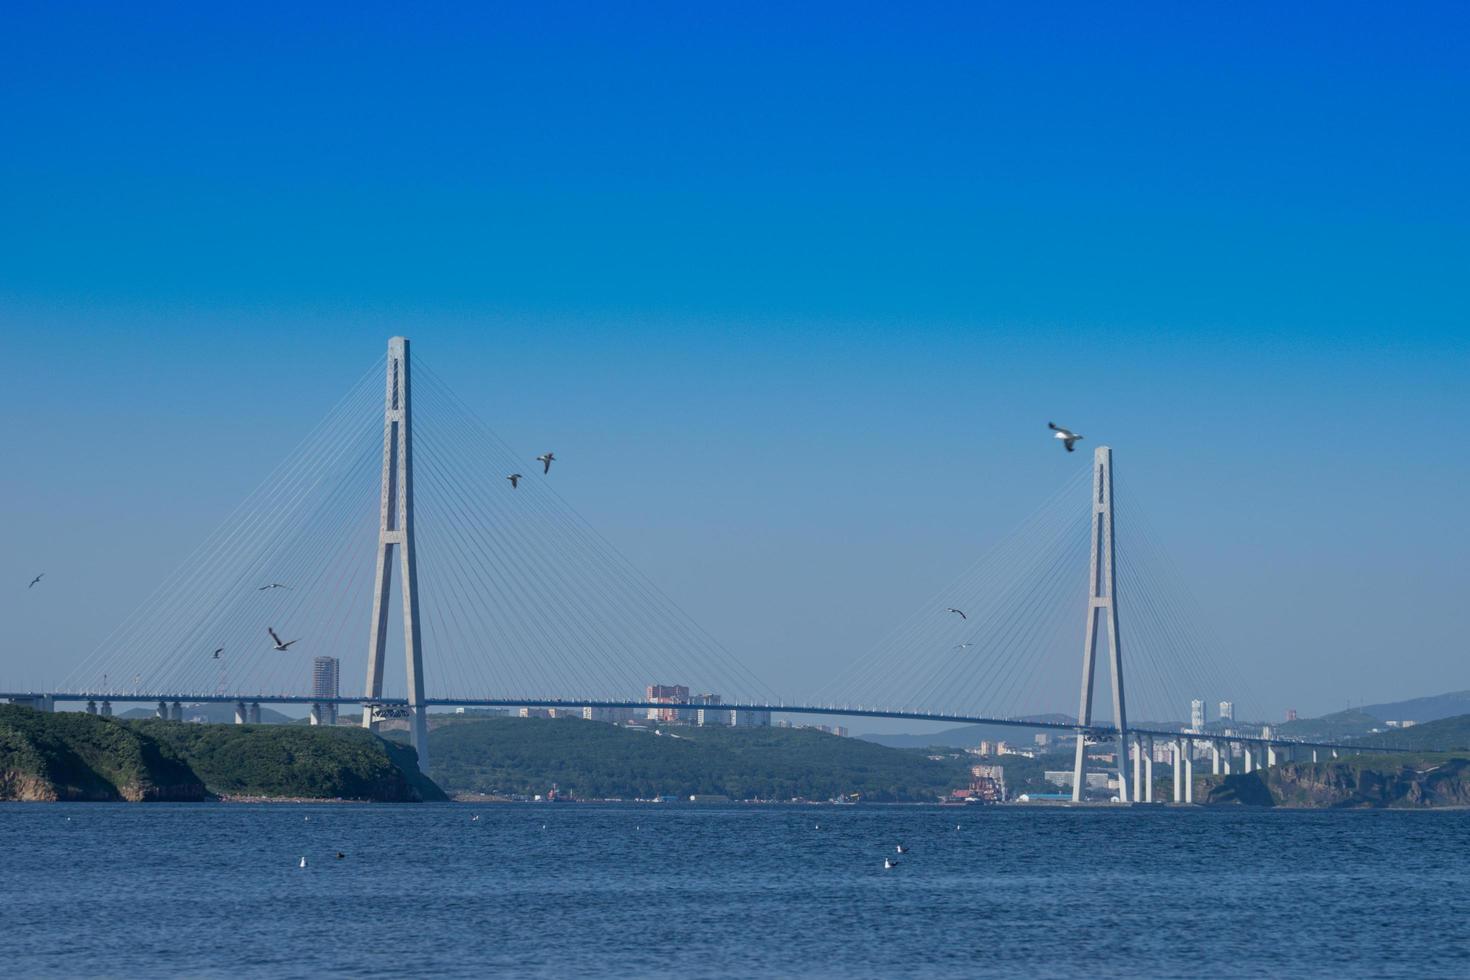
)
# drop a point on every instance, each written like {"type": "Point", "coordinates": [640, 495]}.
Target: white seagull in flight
{"type": "Point", "coordinates": [277, 639]}
{"type": "Point", "coordinates": [1067, 436]}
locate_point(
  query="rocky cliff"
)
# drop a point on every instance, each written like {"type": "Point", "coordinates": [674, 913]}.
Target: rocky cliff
{"type": "Point", "coordinates": [1379, 781]}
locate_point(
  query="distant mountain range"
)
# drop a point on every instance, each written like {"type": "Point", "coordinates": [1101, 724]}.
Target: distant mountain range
{"type": "Point", "coordinates": [1372, 718]}
{"type": "Point", "coordinates": [1431, 708]}
{"type": "Point", "coordinates": [1341, 724]}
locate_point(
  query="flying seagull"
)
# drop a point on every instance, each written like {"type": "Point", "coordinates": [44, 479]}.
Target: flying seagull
{"type": "Point", "coordinates": [1067, 436]}
{"type": "Point", "coordinates": [273, 585]}
{"type": "Point", "coordinates": [545, 459]}
{"type": "Point", "coordinates": [961, 646]}
{"type": "Point", "coordinates": [961, 612]}
{"type": "Point", "coordinates": [218, 652]}
{"type": "Point", "coordinates": [279, 645]}
{"type": "Point", "coordinates": [515, 480]}
{"type": "Point", "coordinates": [36, 579]}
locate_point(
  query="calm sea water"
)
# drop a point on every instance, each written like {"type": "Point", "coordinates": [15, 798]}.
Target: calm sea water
{"type": "Point", "coordinates": [693, 891]}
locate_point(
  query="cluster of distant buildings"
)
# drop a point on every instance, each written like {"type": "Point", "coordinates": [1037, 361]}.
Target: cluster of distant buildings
{"type": "Point", "coordinates": [675, 706]}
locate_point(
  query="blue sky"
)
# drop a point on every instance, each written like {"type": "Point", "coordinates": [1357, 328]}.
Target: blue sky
{"type": "Point", "coordinates": [792, 292]}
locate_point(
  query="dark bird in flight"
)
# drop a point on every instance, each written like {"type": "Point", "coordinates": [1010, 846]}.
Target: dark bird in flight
{"type": "Point", "coordinates": [36, 579]}
{"type": "Point", "coordinates": [218, 652]}
{"type": "Point", "coordinates": [277, 640]}
{"type": "Point", "coordinates": [1067, 436]}
{"type": "Point", "coordinates": [273, 585]}
{"type": "Point", "coordinates": [545, 459]}
{"type": "Point", "coordinates": [961, 612]}
{"type": "Point", "coordinates": [515, 480]}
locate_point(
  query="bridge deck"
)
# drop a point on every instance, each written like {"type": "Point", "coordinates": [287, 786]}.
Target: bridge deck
{"type": "Point", "coordinates": [1100, 731]}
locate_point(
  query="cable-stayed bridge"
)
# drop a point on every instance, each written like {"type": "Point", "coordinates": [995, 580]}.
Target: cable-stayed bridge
{"type": "Point", "coordinates": [396, 527]}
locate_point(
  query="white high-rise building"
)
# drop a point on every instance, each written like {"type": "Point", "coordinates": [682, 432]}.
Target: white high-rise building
{"type": "Point", "coordinates": [325, 676]}
{"type": "Point", "coordinates": [1227, 710]}
{"type": "Point", "coordinates": [1197, 715]}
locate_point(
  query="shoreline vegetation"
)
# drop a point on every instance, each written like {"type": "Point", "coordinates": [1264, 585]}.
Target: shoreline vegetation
{"type": "Point", "coordinates": [70, 756]}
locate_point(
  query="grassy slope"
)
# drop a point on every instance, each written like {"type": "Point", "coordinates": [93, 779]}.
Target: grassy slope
{"type": "Point", "coordinates": [593, 760]}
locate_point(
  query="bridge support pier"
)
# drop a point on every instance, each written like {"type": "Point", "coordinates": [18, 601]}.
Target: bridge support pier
{"type": "Point", "coordinates": [176, 712]}
{"type": "Point", "coordinates": [107, 709]}
{"type": "Point", "coordinates": [1137, 769]}
{"type": "Point", "coordinates": [1148, 770]}
{"type": "Point", "coordinates": [161, 712]}
{"type": "Point", "coordinates": [1188, 771]}
{"type": "Point", "coordinates": [239, 712]}
{"type": "Point", "coordinates": [1178, 771]}
{"type": "Point", "coordinates": [255, 712]}
{"type": "Point", "coordinates": [316, 713]}
{"type": "Point", "coordinates": [91, 707]}
{"type": "Point", "coordinates": [1314, 755]}
{"type": "Point", "coordinates": [1214, 758]}
{"type": "Point", "coordinates": [1245, 750]}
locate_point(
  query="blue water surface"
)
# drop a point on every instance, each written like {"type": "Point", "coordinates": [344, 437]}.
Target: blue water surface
{"type": "Point", "coordinates": [645, 890]}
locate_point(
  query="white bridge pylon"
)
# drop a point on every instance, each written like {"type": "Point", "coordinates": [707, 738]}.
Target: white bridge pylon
{"type": "Point", "coordinates": [1102, 611]}
{"type": "Point", "coordinates": [396, 533]}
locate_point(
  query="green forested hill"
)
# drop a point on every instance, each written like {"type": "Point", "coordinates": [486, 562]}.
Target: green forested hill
{"type": "Point", "coordinates": [1445, 735]}
{"type": "Point", "coordinates": [591, 760]}
{"type": "Point", "coordinates": [290, 760]}
{"type": "Point", "coordinates": [75, 756]}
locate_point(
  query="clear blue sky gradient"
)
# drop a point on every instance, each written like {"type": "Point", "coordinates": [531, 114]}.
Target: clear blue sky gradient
{"type": "Point", "coordinates": [792, 293]}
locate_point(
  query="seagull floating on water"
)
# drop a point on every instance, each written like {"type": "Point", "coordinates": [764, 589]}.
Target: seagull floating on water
{"type": "Point", "coordinates": [273, 585]}
{"type": "Point", "coordinates": [1067, 436]}
{"type": "Point", "coordinates": [545, 459]}
{"type": "Point", "coordinates": [889, 864]}
{"type": "Point", "coordinates": [515, 480]}
{"type": "Point", "coordinates": [340, 855]}
{"type": "Point", "coordinates": [279, 645]}
{"type": "Point", "coordinates": [36, 579]}
{"type": "Point", "coordinates": [901, 849]}
{"type": "Point", "coordinates": [959, 611]}
{"type": "Point", "coordinates": [303, 862]}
